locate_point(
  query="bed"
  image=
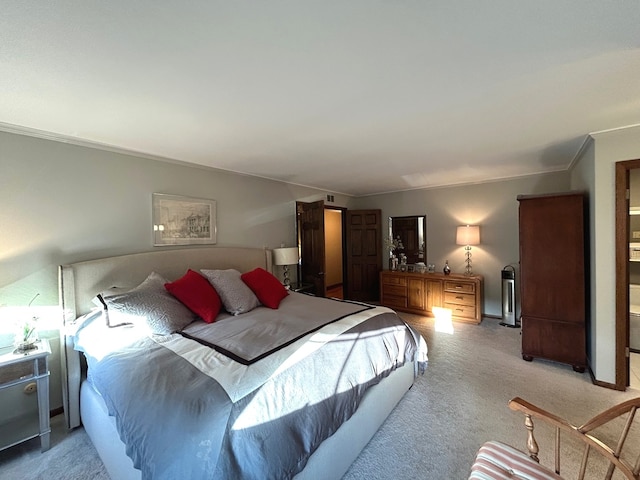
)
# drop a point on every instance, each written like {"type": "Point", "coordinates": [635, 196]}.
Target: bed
{"type": "Point", "coordinates": [301, 403]}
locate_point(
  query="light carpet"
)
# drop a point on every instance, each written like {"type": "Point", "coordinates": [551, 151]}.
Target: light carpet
{"type": "Point", "coordinates": [434, 433]}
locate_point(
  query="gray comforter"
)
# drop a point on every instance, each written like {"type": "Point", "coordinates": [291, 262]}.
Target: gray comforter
{"type": "Point", "coordinates": [178, 421]}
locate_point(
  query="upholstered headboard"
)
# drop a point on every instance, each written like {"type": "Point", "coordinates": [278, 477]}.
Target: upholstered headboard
{"type": "Point", "coordinates": [80, 282]}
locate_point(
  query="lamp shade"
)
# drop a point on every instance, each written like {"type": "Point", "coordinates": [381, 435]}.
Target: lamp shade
{"type": "Point", "coordinates": [285, 256]}
{"type": "Point", "coordinates": [468, 235]}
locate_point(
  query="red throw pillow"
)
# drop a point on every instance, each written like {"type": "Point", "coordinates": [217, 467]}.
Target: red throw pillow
{"type": "Point", "coordinates": [267, 288]}
{"type": "Point", "coordinates": [197, 294]}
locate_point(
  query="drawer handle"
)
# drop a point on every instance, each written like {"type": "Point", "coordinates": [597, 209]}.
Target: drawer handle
{"type": "Point", "coordinates": [459, 310]}
{"type": "Point", "coordinates": [458, 287]}
{"type": "Point", "coordinates": [459, 298]}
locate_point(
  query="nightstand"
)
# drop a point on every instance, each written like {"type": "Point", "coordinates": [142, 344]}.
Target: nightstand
{"type": "Point", "coordinates": [19, 370]}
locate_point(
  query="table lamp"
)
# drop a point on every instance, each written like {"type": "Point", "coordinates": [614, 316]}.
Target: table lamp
{"type": "Point", "coordinates": [285, 256]}
{"type": "Point", "coordinates": [468, 235]}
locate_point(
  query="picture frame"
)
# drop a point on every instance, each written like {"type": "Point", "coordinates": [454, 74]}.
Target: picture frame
{"type": "Point", "coordinates": [181, 220]}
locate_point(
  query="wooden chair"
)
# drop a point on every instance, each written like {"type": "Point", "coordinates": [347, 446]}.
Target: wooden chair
{"type": "Point", "coordinates": [496, 460]}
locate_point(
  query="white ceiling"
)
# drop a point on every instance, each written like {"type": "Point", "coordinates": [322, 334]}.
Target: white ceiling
{"type": "Point", "coordinates": [357, 97]}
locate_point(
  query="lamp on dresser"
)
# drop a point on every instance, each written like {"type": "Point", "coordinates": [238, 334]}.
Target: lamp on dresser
{"type": "Point", "coordinates": [285, 256]}
{"type": "Point", "coordinates": [468, 235]}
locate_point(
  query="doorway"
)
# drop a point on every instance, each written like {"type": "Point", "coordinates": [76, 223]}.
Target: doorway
{"type": "Point", "coordinates": [634, 278]}
{"type": "Point", "coordinates": [334, 252]}
{"type": "Point", "coordinates": [627, 272]}
{"type": "Point", "coordinates": [321, 234]}
{"type": "Point", "coordinates": [340, 251]}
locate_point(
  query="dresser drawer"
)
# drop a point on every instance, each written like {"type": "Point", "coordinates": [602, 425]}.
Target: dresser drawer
{"type": "Point", "coordinates": [464, 311]}
{"type": "Point", "coordinates": [396, 290]}
{"type": "Point", "coordinates": [394, 301]}
{"type": "Point", "coordinates": [460, 298]}
{"type": "Point", "coordinates": [394, 280]}
{"type": "Point", "coordinates": [452, 286]}
{"type": "Point", "coordinates": [16, 371]}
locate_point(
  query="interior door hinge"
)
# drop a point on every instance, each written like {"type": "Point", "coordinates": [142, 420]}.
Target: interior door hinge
{"type": "Point", "coordinates": [628, 194]}
{"type": "Point", "coordinates": [627, 352]}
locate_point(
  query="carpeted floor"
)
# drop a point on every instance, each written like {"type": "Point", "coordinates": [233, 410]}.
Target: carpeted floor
{"type": "Point", "coordinates": [461, 402]}
{"type": "Point", "coordinates": [458, 404]}
{"type": "Point", "coordinates": [71, 457]}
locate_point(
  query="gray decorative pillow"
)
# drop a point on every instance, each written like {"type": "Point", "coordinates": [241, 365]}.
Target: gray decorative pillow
{"type": "Point", "coordinates": [151, 303]}
{"type": "Point", "coordinates": [236, 296]}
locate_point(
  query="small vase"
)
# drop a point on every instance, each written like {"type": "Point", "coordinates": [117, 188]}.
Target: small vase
{"type": "Point", "coordinates": [393, 263]}
{"type": "Point", "coordinates": [446, 268]}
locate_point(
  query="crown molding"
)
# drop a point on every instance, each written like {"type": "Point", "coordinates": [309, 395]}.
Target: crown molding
{"type": "Point", "coordinates": [59, 137]}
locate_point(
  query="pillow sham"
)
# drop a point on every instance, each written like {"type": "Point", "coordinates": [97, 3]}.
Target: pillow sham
{"type": "Point", "coordinates": [197, 294]}
{"type": "Point", "coordinates": [98, 301]}
{"type": "Point", "coordinates": [152, 303]}
{"type": "Point", "coordinates": [266, 287]}
{"type": "Point", "coordinates": [236, 297]}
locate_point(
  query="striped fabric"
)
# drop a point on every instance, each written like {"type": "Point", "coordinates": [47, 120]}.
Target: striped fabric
{"type": "Point", "coordinates": [497, 461]}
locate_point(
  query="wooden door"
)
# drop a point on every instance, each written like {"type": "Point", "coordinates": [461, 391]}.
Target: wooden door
{"type": "Point", "coordinates": [363, 254]}
{"type": "Point", "coordinates": [310, 222]}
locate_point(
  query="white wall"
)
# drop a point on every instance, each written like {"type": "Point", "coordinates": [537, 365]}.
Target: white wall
{"type": "Point", "coordinates": [66, 203]}
{"type": "Point", "coordinates": [609, 147]}
{"type": "Point", "coordinates": [583, 178]}
{"type": "Point", "coordinates": [491, 205]}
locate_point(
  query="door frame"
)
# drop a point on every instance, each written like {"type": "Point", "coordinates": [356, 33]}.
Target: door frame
{"type": "Point", "coordinates": [622, 271]}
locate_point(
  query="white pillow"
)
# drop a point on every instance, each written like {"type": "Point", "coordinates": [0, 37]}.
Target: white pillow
{"type": "Point", "coordinates": [236, 296]}
{"type": "Point", "coordinates": [96, 339]}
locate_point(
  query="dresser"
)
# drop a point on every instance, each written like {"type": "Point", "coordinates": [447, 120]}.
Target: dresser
{"type": "Point", "coordinates": [420, 293]}
{"type": "Point", "coordinates": [553, 277]}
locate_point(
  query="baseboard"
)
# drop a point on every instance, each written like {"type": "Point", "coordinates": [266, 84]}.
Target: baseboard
{"type": "Point", "coordinates": [596, 382]}
{"type": "Point", "coordinates": [55, 412]}
{"type": "Point", "coordinates": [600, 383]}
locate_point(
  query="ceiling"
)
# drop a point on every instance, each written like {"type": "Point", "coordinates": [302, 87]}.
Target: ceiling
{"type": "Point", "coordinates": [355, 97]}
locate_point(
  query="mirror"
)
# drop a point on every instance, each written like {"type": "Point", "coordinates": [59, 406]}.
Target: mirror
{"type": "Point", "coordinates": [409, 235]}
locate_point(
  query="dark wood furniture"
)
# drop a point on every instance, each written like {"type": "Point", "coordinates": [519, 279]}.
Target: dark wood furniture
{"type": "Point", "coordinates": [553, 277]}
{"type": "Point", "coordinates": [420, 292]}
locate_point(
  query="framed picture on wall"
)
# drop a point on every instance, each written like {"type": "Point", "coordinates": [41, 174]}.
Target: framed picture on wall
{"type": "Point", "coordinates": [179, 220]}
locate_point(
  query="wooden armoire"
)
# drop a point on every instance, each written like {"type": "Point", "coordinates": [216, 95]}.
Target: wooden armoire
{"type": "Point", "coordinates": [554, 277]}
